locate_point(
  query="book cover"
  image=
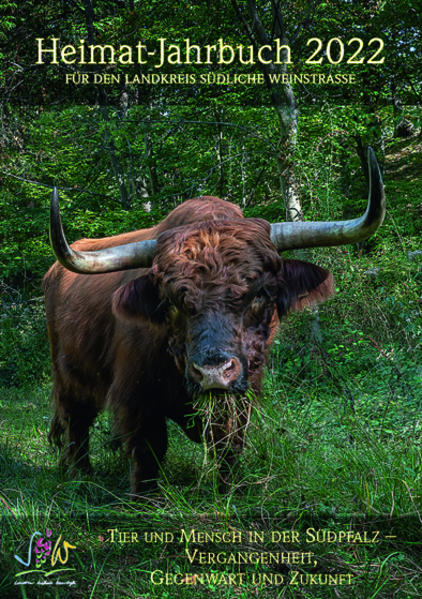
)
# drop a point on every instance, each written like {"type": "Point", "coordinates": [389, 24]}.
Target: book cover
{"type": "Point", "coordinates": [229, 454]}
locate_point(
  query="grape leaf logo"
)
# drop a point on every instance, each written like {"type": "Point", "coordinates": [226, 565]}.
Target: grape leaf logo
{"type": "Point", "coordinates": [43, 554]}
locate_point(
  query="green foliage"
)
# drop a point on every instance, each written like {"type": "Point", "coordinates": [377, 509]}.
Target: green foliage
{"type": "Point", "coordinates": [160, 162]}
{"type": "Point", "coordinates": [23, 340]}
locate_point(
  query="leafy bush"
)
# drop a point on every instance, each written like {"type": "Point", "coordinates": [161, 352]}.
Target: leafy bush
{"type": "Point", "coordinates": [24, 354]}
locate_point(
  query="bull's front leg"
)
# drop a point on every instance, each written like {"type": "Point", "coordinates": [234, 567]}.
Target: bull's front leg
{"type": "Point", "coordinates": [69, 431]}
{"type": "Point", "coordinates": [140, 424]}
{"type": "Point", "coordinates": [147, 449]}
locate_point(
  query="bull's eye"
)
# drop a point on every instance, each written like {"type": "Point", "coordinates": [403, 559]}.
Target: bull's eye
{"type": "Point", "coordinates": [258, 302]}
{"type": "Point", "coordinates": [174, 313]}
{"type": "Point", "coordinates": [261, 298]}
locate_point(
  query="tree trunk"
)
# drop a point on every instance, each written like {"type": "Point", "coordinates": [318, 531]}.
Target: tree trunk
{"type": "Point", "coordinates": [283, 100]}
{"type": "Point", "coordinates": [111, 148]}
{"type": "Point", "coordinates": [150, 161]}
{"type": "Point", "coordinates": [219, 152]}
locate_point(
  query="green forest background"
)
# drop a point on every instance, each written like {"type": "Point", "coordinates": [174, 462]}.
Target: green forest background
{"type": "Point", "coordinates": [336, 438]}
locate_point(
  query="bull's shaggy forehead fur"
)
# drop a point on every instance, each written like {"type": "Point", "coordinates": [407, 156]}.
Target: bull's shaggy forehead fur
{"type": "Point", "coordinates": [214, 260]}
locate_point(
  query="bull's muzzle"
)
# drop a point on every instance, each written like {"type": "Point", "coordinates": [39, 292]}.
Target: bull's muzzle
{"type": "Point", "coordinates": [216, 376]}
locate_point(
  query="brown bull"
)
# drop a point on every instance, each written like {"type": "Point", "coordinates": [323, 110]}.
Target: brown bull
{"type": "Point", "coordinates": [182, 312]}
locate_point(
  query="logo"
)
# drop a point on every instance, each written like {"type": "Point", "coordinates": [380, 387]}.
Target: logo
{"type": "Point", "coordinates": [46, 556]}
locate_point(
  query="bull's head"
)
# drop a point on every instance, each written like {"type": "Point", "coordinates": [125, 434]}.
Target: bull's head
{"type": "Point", "coordinates": [215, 284]}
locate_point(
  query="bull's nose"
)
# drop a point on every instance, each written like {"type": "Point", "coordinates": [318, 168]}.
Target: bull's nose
{"type": "Point", "coordinates": [219, 376]}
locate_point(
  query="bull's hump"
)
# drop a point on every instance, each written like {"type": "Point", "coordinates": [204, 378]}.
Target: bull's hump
{"type": "Point", "coordinates": [204, 208]}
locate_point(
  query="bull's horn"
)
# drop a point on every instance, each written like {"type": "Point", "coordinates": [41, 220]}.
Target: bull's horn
{"type": "Point", "coordinates": [121, 257]}
{"type": "Point", "coordinates": [318, 234]}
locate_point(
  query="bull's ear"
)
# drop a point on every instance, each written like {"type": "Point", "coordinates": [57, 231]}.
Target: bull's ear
{"type": "Point", "coordinates": [139, 299]}
{"type": "Point", "coordinates": [302, 284]}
